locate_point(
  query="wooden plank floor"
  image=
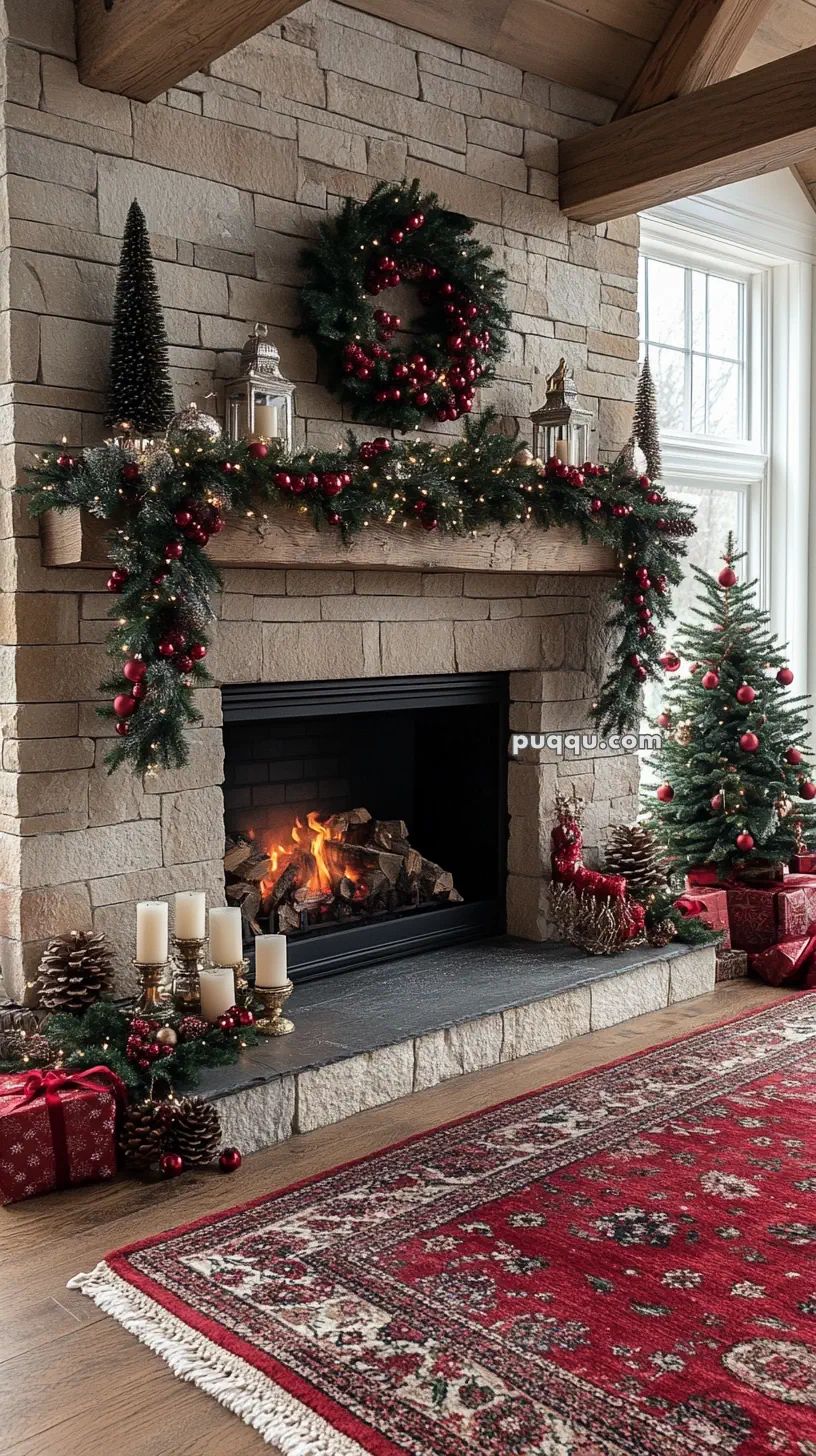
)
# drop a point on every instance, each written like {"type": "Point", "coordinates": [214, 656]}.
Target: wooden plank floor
{"type": "Point", "coordinates": [71, 1377]}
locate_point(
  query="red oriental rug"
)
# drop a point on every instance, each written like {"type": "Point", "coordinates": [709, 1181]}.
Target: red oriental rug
{"type": "Point", "coordinates": [618, 1265]}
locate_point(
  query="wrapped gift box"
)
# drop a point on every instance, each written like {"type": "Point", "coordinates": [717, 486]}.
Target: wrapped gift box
{"type": "Point", "coordinates": [787, 963]}
{"type": "Point", "coordinates": [804, 863]}
{"type": "Point", "coordinates": [731, 964]}
{"type": "Point", "coordinates": [715, 908]}
{"type": "Point", "coordinates": [762, 915]}
{"type": "Point", "coordinates": [56, 1129]}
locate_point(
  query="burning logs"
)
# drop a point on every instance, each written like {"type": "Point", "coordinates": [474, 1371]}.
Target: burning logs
{"type": "Point", "coordinates": [342, 868]}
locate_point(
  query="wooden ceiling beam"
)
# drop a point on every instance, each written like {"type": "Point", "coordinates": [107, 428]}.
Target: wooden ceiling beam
{"type": "Point", "coordinates": [141, 47]}
{"type": "Point", "coordinates": [701, 45]}
{"type": "Point", "coordinates": [755, 122]}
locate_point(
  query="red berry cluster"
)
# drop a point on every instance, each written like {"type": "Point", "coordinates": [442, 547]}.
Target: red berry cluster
{"type": "Point", "coordinates": [370, 449]}
{"type": "Point", "coordinates": [142, 1048]}
{"type": "Point", "coordinates": [426, 512]}
{"type": "Point", "coordinates": [199, 520]}
{"type": "Point", "coordinates": [234, 1017]}
{"type": "Point", "coordinates": [192, 1028]}
{"type": "Point", "coordinates": [330, 482]}
{"type": "Point", "coordinates": [384, 271]}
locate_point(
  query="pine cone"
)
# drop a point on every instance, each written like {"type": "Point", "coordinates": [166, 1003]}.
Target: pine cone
{"type": "Point", "coordinates": [660, 934]}
{"type": "Point", "coordinates": [30, 1049]}
{"type": "Point", "coordinates": [195, 1131]}
{"type": "Point", "coordinates": [678, 526]}
{"type": "Point", "coordinates": [633, 853]}
{"type": "Point", "coordinates": [75, 971]}
{"type": "Point", "coordinates": [144, 1133]}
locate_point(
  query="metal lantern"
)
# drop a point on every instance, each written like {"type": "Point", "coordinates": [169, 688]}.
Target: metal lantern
{"type": "Point", "coordinates": [260, 403]}
{"type": "Point", "coordinates": [562, 427]}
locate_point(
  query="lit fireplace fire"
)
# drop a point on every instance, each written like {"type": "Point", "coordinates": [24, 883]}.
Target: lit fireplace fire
{"type": "Point", "coordinates": [344, 867]}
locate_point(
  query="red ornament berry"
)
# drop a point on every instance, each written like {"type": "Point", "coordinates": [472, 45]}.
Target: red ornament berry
{"type": "Point", "coordinates": [749, 743]}
{"type": "Point", "coordinates": [415, 221]}
{"type": "Point", "coordinates": [665, 793]}
{"type": "Point", "coordinates": [198, 652]}
{"type": "Point", "coordinates": [333, 518]}
{"type": "Point", "coordinates": [312, 481]}
{"type": "Point", "coordinates": [744, 841]}
{"type": "Point", "coordinates": [397, 236]}
{"type": "Point", "coordinates": [124, 705]}
{"type": "Point", "coordinates": [246, 1018]}
{"type": "Point", "coordinates": [112, 585]}
{"type": "Point", "coordinates": [66, 461]}
{"type": "Point", "coordinates": [184, 664]}
{"type": "Point", "coordinates": [670, 662]}
{"type": "Point", "coordinates": [634, 660]}
{"type": "Point", "coordinates": [745, 693]}
{"type": "Point", "coordinates": [331, 484]}
{"type": "Point", "coordinates": [641, 674]}
{"type": "Point", "coordinates": [226, 1022]}
{"type": "Point", "coordinates": [596, 505]}
{"type": "Point", "coordinates": [710, 679]}
{"type": "Point", "coordinates": [381, 444]}
{"type": "Point", "coordinates": [122, 728]}
{"type": "Point", "coordinates": [135, 670]}
{"type": "Point", "coordinates": [282, 480]}
{"type": "Point", "coordinates": [807, 789]}
{"type": "Point", "coordinates": [166, 648]}
{"type": "Point", "coordinates": [258, 450]}
{"type": "Point", "coordinates": [130, 472]}
{"type": "Point", "coordinates": [429, 523]}
{"type": "Point", "coordinates": [139, 691]}
{"type": "Point", "coordinates": [784, 676]}
{"type": "Point", "coordinates": [171, 1164]}
{"type": "Point", "coordinates": [229, 1160]}
{"type": "Point", "coordinates": [727, 578]}
{"type": "Point", "coordinates": [173, 550]}
{"type": "Point", "coordinates": [793, 755]}
{"type": "Point", "coordinates": [717, 803]}
{"type": "Point", "coordinates": [183, 519]}
{"type": "Point", "coordinates": [644, 482]}
{"type": "Point", "coordinates": [664, 719]}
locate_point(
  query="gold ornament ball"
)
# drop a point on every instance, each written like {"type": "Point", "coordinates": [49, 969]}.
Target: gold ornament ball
{"type": "Point", "coordinates": [166, 1036]}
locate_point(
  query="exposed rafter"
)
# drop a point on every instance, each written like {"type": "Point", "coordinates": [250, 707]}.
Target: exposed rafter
{"type": "Point", "coordinates": [701, 45]}
{"type": "Point", "coordinates": [752, 123]}
{"type": "Point", "coordinates": [140, 47]}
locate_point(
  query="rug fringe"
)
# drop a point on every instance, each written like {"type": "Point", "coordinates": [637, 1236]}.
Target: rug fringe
{"type": "Point", "coordinates": [277, 1416]}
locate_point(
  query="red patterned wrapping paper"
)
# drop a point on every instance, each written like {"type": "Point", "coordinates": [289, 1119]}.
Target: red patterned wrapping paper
{"type": "Point", "coordinates": [787, 963]}
{"type": "Point", "coordinates": [715, 909]}
{"type": "Point", "coordinates": [30, 1163]}
{"type": "Point", "coordinates": [803, 864]}
{"type": "Point", "coordinates": [762, 915]}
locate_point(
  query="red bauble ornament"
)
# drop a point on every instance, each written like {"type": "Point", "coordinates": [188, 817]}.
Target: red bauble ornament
{"type": "Point", "coordinates": [333, 518]}
{"type": "Point", "coordinates": [670, 662]}
{"type": "Point", "coordinates": [415, 221]}
{"type": "Point", "coordinates": [124, 705]}
{"type": "Point", "coordinates": [641, 674]}
{"type": "Point", "coordinates": [226, 1022]}
{"type": "Point", "coordinates": [331, 484]}
{"type": "Point", "coordinates": [744, 841]}
{"type": "Point", "coordinates": [423, 398]}
{"type": "Point", "coordinates": [130, 472]}
{"type": "Point", "coordinates": [665, 793]}
{"type": "Point", "coordinates": [745, 693]}
{"type": "Point", "coordinates": [258, 450]}
{"type": "Point", "coordinates": [112, 585]}
{"type": "Point", "coordinates": [184, 664]}
{"type": "Point", "coordinates": [246, 1017]}
{"type": "Point", "coordinates": [717, 803]}
{"type": "Point", "coordinates": [122, 728]}
{"type": "Point", "coordinates": [171, 1164]}
{"type": "Point", "coordinates": [173, 550]}
{"type": "Point", "coordinates": [282, 479]}
{"type": "Point", "coordinates": [664, 719]}
{"type": "Point", "coordinates": [807, 789]}
{"type": "Point", "coordinates": [229, 1160]}
{"type": "Point", "coordinates": [134, 670]}
{"type": "Point", "coordinates": [793, 755]}
{"type": "Point", "coordinates": [198, 652]}
{"type": "Point", "coordinates": [312, 481]}
{"type": "Point", "coordinates": [183, 519]}
{"type": "Point", "coordinates": [428, 523]}
{"type": "Point", "coordinates": [727, 578]}
{"type": "Point", "coordinates": [749, 743]}
{"type": "Point", "coordinates": [139, 691]}
{"type": "Point", "coordinates": [166, 648]}
{"type": "Point", "coordinates": [710, 679]}
{"type": "Point", "coordinates": [634, 660]}
{"type": "Point", "coordinates": [66, 461]}
{"type": "Point", "coordinates": [644, 482]}
{"type": "Point", "coordinates": [596, 505]}
{"type": "Point", "coordinates": [784, 676]}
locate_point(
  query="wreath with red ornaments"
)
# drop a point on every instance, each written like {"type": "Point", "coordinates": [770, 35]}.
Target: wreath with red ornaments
{"type": "Point", "coordinates": [402, 235]}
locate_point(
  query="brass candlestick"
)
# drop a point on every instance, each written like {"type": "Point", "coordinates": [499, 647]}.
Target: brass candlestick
{"type": "Point", "coordinates": [243, 994]}
{"type": "Point", "coordinates": [153, 1000]}
{"type": "Point", "coordinates": [273, 1023]}
{"type": "Point", "coordinates": [188, 962]}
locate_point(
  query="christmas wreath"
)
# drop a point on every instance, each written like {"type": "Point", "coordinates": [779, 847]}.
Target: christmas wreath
{"type": "Point", "coordinates": [403, 235]}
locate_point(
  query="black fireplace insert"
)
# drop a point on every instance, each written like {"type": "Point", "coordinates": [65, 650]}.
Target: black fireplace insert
{"type": "Point", "coordinates": [367, 818]}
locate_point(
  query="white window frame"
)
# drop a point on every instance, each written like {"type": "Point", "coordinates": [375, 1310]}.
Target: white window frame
{"type": "Point", "coordinates": [776, 260]}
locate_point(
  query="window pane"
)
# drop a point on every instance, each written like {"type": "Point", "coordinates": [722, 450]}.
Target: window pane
{"type": "Point", "coordinates": [724, 399]}
{"type": "Point", "coordinates": [668, 368]}
{"type": "Point", "coordinates": [698, 394]}
{"type": "Point", "coordinates": [724, 309]}
{"type": "Point", "coordinates": [666, 304]}
{"type": "Point", "coordinates": [698, 311]}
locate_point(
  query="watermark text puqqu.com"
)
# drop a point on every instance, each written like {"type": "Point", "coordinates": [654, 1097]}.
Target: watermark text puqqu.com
{"type": "Point", "coordinates": [578, 743]}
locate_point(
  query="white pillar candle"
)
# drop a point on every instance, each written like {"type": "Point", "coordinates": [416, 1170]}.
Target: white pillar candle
{"type": "Point", "coordinates": [191, 915]}
{"type": "Point", "coordinates": [564, 452]}
{"type": "Point", "coordinates": [217, 991]}
{"type": "Point", "coordinates": [226, 941]}
{"type": "Point", "coordinates": [270, 960]}
{"type": "Point", "coordinates": [151, 932]}
{"type": "Point", "coordinates": [266, 421]}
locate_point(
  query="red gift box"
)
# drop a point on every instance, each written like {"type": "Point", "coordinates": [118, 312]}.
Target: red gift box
{"type": "Point", "coordinates": [702, 875]}
{"type": "Point", "coordinates": [785, 963]}
{"type": "Point", "coordinates": [57, 1129]}
{"type": "Point", "coordinates": [803, 864]}
{"type": "Point", "coordinates": [762, 915]}
{"type": "Point", "coordinates": [714, 912]}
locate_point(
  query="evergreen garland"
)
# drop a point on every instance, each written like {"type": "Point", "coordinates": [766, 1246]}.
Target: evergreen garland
{"type": "Point", "coordinates": [163, 507]}
{"type": "Point", "coordinates": [734, 766]}
{"type": "Point", "coordinates": [140, 396]}
{"type": "Point", "coordinates": [401, 234]}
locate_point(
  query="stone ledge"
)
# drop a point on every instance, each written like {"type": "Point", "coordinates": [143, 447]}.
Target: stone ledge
{"type": "Point", "coordinates": [371, 1036]}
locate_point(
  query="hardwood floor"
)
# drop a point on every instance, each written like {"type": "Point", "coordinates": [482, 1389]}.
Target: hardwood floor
{"type": "Point", "coordinates": [72, 1380]}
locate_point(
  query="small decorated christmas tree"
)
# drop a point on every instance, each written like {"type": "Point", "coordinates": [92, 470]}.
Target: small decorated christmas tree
{"type": "Point", "coordinates": [140, 395]}
{"type": "Point", "coordinates": [645, 432]}
{"type": "Point", "coordinates": [735, 775]}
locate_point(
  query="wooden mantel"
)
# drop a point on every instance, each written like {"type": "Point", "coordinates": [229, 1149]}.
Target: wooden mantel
{"type": "Point", "coordinates": [72, 538]}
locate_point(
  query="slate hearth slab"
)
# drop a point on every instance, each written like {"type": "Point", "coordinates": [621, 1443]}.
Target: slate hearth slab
{"type": "Point", "coordinates": [365, 1010]}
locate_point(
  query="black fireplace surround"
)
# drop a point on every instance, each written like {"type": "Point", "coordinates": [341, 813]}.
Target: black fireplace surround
{"type": "Point", "coordinates": [431, 751]}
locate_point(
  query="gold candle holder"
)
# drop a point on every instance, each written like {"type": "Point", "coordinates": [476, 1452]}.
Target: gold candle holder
{"type": "Point", "coordinates": [188, 962]}
{"type": "Point", "coordinates": [273, 1022]}
{"type": "Point", "coordinates": [243, 994]}
{"type": "Point", "coordinates": [152, 1000]}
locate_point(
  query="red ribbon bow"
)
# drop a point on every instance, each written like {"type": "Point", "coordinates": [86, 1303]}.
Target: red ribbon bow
{"type": "Point", "coordinates": [689, 906]}
{"type": "Point", "coordinates": [50, 1084]}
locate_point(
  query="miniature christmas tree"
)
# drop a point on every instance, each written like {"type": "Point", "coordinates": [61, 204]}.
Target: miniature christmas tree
{"type": "Point", "coordinates": [140, 395]}
{"type": "Point", "coordinates": [733, 762]}
{"type": "Point", "coordinates": [645, 432]}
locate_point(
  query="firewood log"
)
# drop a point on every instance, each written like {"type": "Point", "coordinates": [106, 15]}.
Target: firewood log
{"type": "Point", "coordinates": [288, 919]}
{"type": "Point", "coordinates": [237, 855]}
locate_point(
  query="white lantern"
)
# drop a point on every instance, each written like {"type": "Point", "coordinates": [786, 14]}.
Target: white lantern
{"type": "Point", "coordinates": [260, 403]}
{"type": "Point", "coordinates": [561, 427]}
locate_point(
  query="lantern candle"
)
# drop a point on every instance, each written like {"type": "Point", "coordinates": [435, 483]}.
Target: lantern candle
{"type": "Point", "coordinates": [226, 940]}
{"type": "Point", "coordinates": [564, 452]}
{"type": "Point", "coordinates": [270, 960]}
{"type": "Point", "coordinates": [191, 907]}
{"type": "Point", "coordinates": [266, 421]}
{"type": "Point", "coordinates": [151, 932]}
{"type": "Point", "coordinates": [217, 991]}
